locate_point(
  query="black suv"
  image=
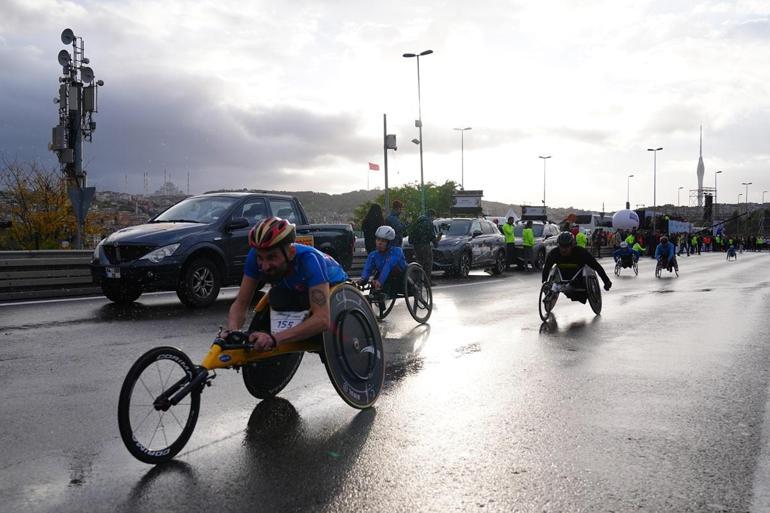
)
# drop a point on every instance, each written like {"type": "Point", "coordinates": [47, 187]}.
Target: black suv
{"type": "Point", "coordinates": [200, 244]}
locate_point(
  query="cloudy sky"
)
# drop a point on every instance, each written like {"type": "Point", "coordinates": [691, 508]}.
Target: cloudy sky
{"type": "Point", "coordinates": [290, 94]}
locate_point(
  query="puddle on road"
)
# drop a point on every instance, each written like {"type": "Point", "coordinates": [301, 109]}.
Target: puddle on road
{"type": "Point", "coordinates": [467, 349]}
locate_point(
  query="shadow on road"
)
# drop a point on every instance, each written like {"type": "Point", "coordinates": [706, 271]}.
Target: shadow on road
{"type": "Point", "coordinates": [142, 312]}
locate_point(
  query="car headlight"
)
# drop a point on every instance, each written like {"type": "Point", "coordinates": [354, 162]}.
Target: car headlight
{"type": "Point", "coordinates": [159, 254]}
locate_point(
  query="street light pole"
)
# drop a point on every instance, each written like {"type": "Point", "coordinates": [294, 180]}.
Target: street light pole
{"type": "Point", "coordinates": [716, 213]}
{"type": "Point", "coordinates": [462, 155]}
{"type": "Point", "coordinates": [677, 195]}
{"type": "Point", "coordinates": [763, 197]}
{"type": "Point", "coordinates": [419, 122]}
{"type": "Point", "coordinates": [654, 182]}
{"type": "Point", "coordinates": [628, 192]}
{"type": "Point", "coordinates": [544, 157]}
{"type": "Point", "coordinates": [747, 194]}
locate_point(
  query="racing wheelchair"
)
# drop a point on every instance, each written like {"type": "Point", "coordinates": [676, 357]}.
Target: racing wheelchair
{"type": "Point", "coordinates": [160, 397]}
{"type": "Point", "coordinates": [731, 254]}
{"type": "Point", "coordinates": [625, 262]}
{"type": "Point", "coordinates": [414, 289]}
{"type": "Point", "coordinates": [555, 284]}
{"type": "Point", "coordinates": [659, 266]}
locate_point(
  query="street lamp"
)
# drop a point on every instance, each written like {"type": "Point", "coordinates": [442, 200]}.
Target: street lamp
{"type": "Point", "coordinates": [418, 123]}
{"type": "Point", "coordinates": [716, 216]}
{"type": "Point", "coordinates": [747, 194]}
{"type": "Point", "coordinates": [462, 155]}
{"type": "Point", "coordinates": [677, 195]}
{"type": "Point", "coordinates": [544, 157]}
{"type": "Point", "coordinates": [628, 191]}
{"type": "Point", "coordinates": [654, 182]}
{"type": "Point", "coordinates": [763, 197]}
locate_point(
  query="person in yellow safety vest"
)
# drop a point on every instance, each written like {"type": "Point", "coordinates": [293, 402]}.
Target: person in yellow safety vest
{"type": "Point", "coordinates": [630, 239]}
{"type": "Point", "coordinates": [581, 239]}
{"type": "Point", "coordinates": [528, 242]}
{"type": "Point", "coordinates": [510, 241]}
{"type": "Point", "coordinates": [694, 244]}
{"type": "Point", "coordinates": [718, 240]}
{"type": "Point", "coordinates": [760, 242]}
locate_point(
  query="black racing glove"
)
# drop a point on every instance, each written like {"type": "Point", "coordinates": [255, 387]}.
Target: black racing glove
{"type": "Point", "coordinates": [607, 285]}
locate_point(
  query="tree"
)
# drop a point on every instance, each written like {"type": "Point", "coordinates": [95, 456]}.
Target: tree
{"type": "Point", "coordinates": [437, 197]}
{"type": "Point", "coordinates": [36, 201]}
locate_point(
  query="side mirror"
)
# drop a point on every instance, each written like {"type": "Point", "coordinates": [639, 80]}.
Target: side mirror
{"type": "Point", "coordinates": [237, 223]}
{"type": "Point", "coordinates": [476, 233]}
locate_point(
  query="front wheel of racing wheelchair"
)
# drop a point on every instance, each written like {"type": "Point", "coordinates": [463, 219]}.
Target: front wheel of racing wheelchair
{"type": "Point", "coordinates": [548, 294]}
{"type": "Point", "coordinates": [593, 291]}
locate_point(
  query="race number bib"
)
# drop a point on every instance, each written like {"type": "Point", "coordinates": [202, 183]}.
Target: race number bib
{"type": "Point", "coordinates": [282, 321]}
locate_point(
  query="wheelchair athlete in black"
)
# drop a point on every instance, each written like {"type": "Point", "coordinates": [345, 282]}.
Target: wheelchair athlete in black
{"type": "Point", "coordinates": [571, 261]}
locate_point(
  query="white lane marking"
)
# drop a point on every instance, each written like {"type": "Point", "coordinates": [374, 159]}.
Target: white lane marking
{"type": "Point", "coordinates": [760, 496]}
{"type": "Point", "coordinates": [90, 298]}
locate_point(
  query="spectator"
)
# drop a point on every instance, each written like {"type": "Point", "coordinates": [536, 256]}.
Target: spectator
{"type": "Point", "coordinates": [373, 220]}
{"type": "Point", "coordinates": [510, 242]}
{"type": "Point", "coordinates": [423, 236]}
{"type": "Point", "coordinates": [528, 242]}
{"type": "Point", "coordinates": [394, 221]}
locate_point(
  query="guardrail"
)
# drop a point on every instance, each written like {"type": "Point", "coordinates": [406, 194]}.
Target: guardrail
{"type": "Point", "coordinates": [61, 273]}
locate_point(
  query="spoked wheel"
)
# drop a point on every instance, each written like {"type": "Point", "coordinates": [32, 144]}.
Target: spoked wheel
{"type": "Point", "coordinates": [547, 300]}
{"type": "Point", "coordinates": [676, 272]}
{"type": "Point", "coordinates": [417, 293]}
{"type": "Point", "coordinates": [657, 271]}
{"type": "Point", "coordinates": [636, 268]}
{"type": "Point", "coordinates": [594, 294]}
{"type": "Point", "coordinates": [384, 307]}
{"type": "Point", "coordinates": [153, 430]}
{"type": "Point", "coordinates": [353, 352]}
{"type": "Point", "coordinates": [617, 269]}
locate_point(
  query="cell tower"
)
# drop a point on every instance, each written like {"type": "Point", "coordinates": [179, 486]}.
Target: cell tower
{"type": "Point", "coordinates": [701, 170]}
{"type": "Point", "coordinates": [77, 102]}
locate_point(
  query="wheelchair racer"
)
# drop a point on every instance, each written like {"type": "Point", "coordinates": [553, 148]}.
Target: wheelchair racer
{"type": "Point", "coordinates": [665, 254]}
{"type": "Point", "coordinates": [625, 255]}
{"type": "Point", "coordinates": [385, 264]}
{"type": "Point", "coordinates": [300, 277]}
{"type": "Point", "coordinates": [569, 258]}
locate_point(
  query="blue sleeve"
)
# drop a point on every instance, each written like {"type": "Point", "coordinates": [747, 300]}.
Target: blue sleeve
{"type": "Point", "coordinates": [368, 266]}
{"type": "Point", "coordinates": [314, 269]}
{"type": "Point", "coordinates": [251, 269]}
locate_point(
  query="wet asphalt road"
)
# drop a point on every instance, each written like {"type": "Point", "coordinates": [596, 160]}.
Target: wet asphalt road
{"type": "Point", "coordinates": [659, 404]}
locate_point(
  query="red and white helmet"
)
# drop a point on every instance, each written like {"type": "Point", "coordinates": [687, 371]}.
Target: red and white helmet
{"type": "Point", "coordinates": [272, 232]}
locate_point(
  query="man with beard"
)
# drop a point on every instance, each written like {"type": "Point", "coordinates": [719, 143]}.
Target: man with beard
{"type": "Point", "coordinates": [300, 278]}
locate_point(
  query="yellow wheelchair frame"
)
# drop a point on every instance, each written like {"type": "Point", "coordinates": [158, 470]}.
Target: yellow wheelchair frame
{"type": "Point", "coordinates": [351, 351]}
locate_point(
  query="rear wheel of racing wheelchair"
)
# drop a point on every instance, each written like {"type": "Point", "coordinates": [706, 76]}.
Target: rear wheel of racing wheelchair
{"type": "Point", "coordinates": [352, 348]}
{"type": "Point", "coordinates": [385, 307]}
{"type": "Point", "coordinates": [594, 294]}
{"type": "Point", "coordinates": [636, 268]}
{"type": "Point", "coordinates": [658, 269]}
{"type": "Point", "coordinates": [266, 378]}
{"type": "Point", "coordinates": [617, 268]}
{"type": "Point", "coordinates": [152, 429]}
{"type": "Point", "coordinates": [417, 293]}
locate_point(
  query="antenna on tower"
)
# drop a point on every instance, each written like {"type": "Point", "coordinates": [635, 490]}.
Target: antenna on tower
{"type": "Point", "coordinates": [701, 140]}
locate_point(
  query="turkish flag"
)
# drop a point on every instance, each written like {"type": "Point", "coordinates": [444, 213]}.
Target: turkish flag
{"type": "Point", "coordinates": [373, 166]}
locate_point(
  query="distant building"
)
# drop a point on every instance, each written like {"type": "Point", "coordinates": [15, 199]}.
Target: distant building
{"type": "Point", "coordinates": [169, 189]}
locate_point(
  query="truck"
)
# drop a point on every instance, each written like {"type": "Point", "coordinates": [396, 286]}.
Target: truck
{"type": "Point", "coordinates": [200, 244]}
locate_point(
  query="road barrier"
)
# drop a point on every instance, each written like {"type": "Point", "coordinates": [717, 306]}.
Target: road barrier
{"type": "Point", "coordinates": [62, 273]}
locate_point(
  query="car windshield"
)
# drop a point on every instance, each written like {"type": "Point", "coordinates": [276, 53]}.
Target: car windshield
{"type": "Point", "coordinates": [206, 209]}
{"type": "Point", "coordinates": [454, 226]}
{"type": "Point", "coordinates": [536, 228]}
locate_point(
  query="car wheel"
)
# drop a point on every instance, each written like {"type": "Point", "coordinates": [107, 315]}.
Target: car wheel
{"type": "Point", "coordinates": [200, 283]}
{"type": "Point", "coordinates": [499, 266]}
{"type": "Point", "coordinates": [540, 260]}
{"type": "Point", "coordinates": [121, 293]}
{"type": "Point", "coordinates": [464, 265]}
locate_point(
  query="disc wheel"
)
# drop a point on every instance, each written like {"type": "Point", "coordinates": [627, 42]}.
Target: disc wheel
{"type": "Point", "coordinates": [547, 300]}
{"type": "Point", "coordinates": [152, 431]}
{"type": "Point", "coordinates": [417, 293]}
{"type": "Point", "coordinates": [353, 352]}
{"type": "Point", "coordinates": [594, 294]}
{"type": "Point", "coordinates": [266, 378]}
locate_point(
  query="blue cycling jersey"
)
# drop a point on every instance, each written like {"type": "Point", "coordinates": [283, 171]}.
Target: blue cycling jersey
{"type": "Point", "coordinates": [666, 250]}
{"type": "Point", "coordinates": [309, 268]}
{"type": "Point", "coordinates": [384, 263]}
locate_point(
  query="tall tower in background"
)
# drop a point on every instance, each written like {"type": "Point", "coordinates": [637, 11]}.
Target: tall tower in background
{"type": "Point", "coordinates": [701, 170]}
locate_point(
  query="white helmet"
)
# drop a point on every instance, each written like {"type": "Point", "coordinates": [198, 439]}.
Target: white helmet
{"type": "Point", "coordinates": [385, 232]}
{"type": "Point", "coordinates": [624, 244]}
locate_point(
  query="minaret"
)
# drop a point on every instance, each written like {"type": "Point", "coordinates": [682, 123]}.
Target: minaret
{"type": "Point", "coordinates": [701, 170]}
